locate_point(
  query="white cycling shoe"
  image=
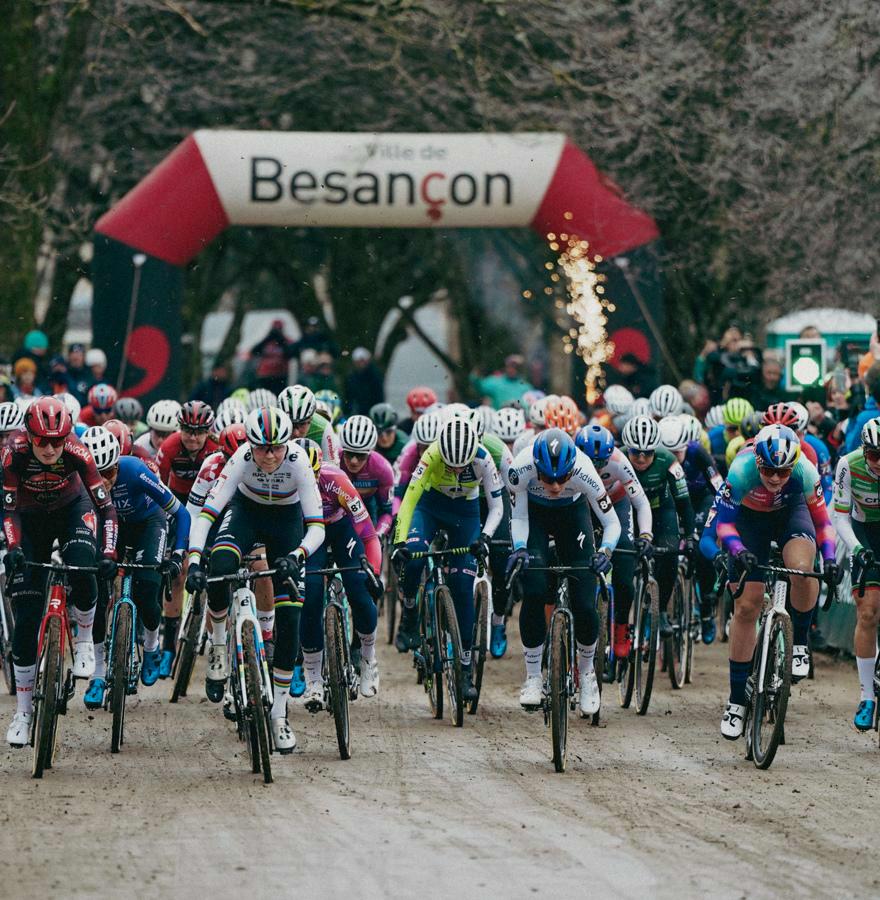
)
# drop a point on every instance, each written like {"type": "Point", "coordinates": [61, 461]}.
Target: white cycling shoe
{"type": "Point", "coordinates": [83, 659]}
{"type": "Point", "coordinates": [733, 721]}
{"type": "Point", "coordinates": [590, 699]}
{"type": "Point", "coordinates": [313, 698]}
{"type": "Point", "coordinates": [282, 735]}
{"type": "Point", "coordinates": [19, 731]}
{"type": "Point", "coordinates": [531, 693]}
{"type": "Point", "coordinates": [369, 678]}
{"type": "Point", "coordinates": [800, 661]}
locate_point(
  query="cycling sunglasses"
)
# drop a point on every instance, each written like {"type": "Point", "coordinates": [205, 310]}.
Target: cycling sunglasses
{"type": "Point", "coordinates": [351, 454]}
{"type": "Point", "coordinates": [193, 431]}
{"type": "Point", "coordinates": [269, 448]}
{"type": "Point", "coordinates": [55, 442]}
{"type": "Point", "coordinates": [643, 453]}
{"type": "Point", "coordinates": [873, 455]}
{"type": "Point", "coordinates": [769, 471]}
{"type": "Point", "coordinates": [547, 479]}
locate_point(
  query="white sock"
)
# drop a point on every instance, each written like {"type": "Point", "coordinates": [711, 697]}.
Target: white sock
{"type": "Point", "coordinates": [586, 655]}
{"type": "Point", "coordinates": [24, 687]}
{"type": "Point", "coordinates": [368, 646]}
{"type": "Point", "coordinates": [267, 623]}
{"type": "Point", "coordinates": [281, 691]}
{"type": "Point", "coordinates": [218, 627]}
{"type": "Point", "coordinates": [151, 640]}
{"type": "Point", "coordinates": [533, 660]}
{"type": "Point", "coordinates": [866, 676]}
{"type": "Point", "coordinates": [312, 664]}
{"type": "Point", "coordinates": [85, 619]}
{"type": "Point", "coordinates": [100, 662]}
{"type": "Point", "coordinates": [465, 657]}
{"type": "Point", "coordinates": [497, 620]}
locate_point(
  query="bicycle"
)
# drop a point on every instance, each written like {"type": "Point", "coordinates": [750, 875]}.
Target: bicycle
{"type": "Point", "coordinates": [678, 648]}
{"type": "Point", "coordinates": [438, 657]}
{"type": "Point", "coordinates": [7, 623]}
{"type": "Point", "coordinates": [52, 689]}
{"type": "Point", "coordinates": [482, 630]}
{"type": "Point", "coordinates": [387, 607]}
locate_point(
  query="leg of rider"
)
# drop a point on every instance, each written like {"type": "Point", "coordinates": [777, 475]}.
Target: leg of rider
{"type": "Point", "coordinates": [463, 531]}
{"type": "Point", "coordinates": [498, 561]}
{"type": "Point", "coordinates": [623, 577]}
{"type": "Point", "coordinates": [265, 600]}
{"type": "Point", "coordinates": [311, 631]}
{"type": "Point", "coordinates": [867, 611]}
{"type": "Point", "coordinates": [421, 530]}
{"type": "Point", "coordinates": [99, 629]}
{"type": "Point", "coordinates": [172, 603]}
{"type": "Point", "coordinates": [666, 564]}
{"type": "Point", "coordinates": [148, 540]}
{"type": "Point", "coordinates": [235, 537]}
{"type": "Point", "coordinates": [535, 590]}
{"type": "Point", "coordinates": [78, 529]}
{"type": "Point", "coordinates": [347, 547]}
{"type": "Point", "coordinates": [27, 591]}
{"type": "Point", "coordinates": [704, 569]}
{"type": "Point", "coordinates": [798, 541]}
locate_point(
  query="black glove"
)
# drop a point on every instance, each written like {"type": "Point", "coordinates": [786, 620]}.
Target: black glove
{"type": "Point", "coordinates": [173, 566]}
{"type": "Point", "coordinates": [864, 558]}
{"type": "Point", "coordinates": [601, 563]}
{"type": "Point", "coordinates": [288, 567]}
{"type": "Point", "coordinates": [833, 574]}
{"type": "Point", "coordinates": [13, 561]}
{"type": "Point", "coordinates": [400, 556]}
{"type": "Point", "coordinates": [746, 560]}
{"type": "Point", "coordinates": [107, 568]}
{"type": "Point", "coordinates": [480, 548]}
{"type": "Point", "coordinates": [518, 556]}
{"type": "Point", "coordinates": [195, 579]}
{"type": "Point", "coordinates": [644, 547]}
{"type": "Point", "coordinates": [375, 588]}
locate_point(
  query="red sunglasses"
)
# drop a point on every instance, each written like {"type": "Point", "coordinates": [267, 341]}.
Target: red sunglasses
{"type": "Point", "coordinates": [55, 442]}
{"type": "Point", "coordinates": [770, 471]}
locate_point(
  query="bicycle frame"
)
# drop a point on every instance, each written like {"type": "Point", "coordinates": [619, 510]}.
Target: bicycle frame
{"type": "Point", "coordinates": [771, 610]}
{"type": "Point", "coordinates": [243, 608]}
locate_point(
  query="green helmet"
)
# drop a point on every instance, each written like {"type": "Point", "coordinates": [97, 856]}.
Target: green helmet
{"type": "Point", "coordinates": [333, 401]}
{"type": "Point", "coordinates": [384, 416]}
{"type": "Point", "coordinates": [735, 410]}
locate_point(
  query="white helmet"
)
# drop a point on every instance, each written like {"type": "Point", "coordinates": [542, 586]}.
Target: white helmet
{"type": "Point", "coordinates": [298, 402]}
{"type": "Point", "coordinates": [870, 433]}
{"type": "Point", "coordinates": [715, 416]}
{"type": "Point", "coordinates": [268, 426]}
{"type": "Point", "coordinates": [71, 403]}
{"type": "Point", "coordinates": [458, 443]}
{"type": "Point", "coordinates": [233, 414]}
{"type": "Point", "coordinates": [666, 400]}
{"type": "Point", "coordinates": [260, 397]}
{"type": "Point", "coordinates": [427, 428]}
{"type": "Point", "coordinates": [641, 433]}
{"type": "Point", "coordinates": [482, 420]}
{"type": "Point", "coordinates": [23, 401]}
{"type": "Point", "coordinates": [538, 410]}
{"type": "Point", "coordinates": [674, 433]}
{"type": "Point", "coordinates": [231, 403]}
{"type": "Point", "coordinates": [508, 423]}
{"type": "Point", "coordinates": [693, 428]}
{"type": "Point", "coordinates": [453, 410]}
{"type": "Point", "coordinates": [162, 415]}
{"type": "Point", "coordinates": [641, 406]}
{"type": "Point", "coordinates": [358, 434]}
{"type": "Point", "coordinates": [11, 417]}
{"type": "Point", "coordinates": [617, 399]}
{"type": "Point", "coordinates": [103, 446]}
{"type": "Point", "coordinates": [803, 416]}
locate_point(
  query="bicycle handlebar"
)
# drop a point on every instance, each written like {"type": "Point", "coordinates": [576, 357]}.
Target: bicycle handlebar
{"type": "Point", "coordinates": [439, 554]}
{"type": "Point", "coordinates": [241, 575]}
{"type": "Point", "coordinates": [62, 567]}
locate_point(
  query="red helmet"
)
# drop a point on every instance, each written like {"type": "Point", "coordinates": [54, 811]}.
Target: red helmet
{"type": "Point", "coordinates": [781, 414]}
{"type": "Point", "coordinates": [232, 437]}
{"type": "Point", "coordinates": [102, 397]}
{"type": "Point", "coordinates": [48, 417]}
{"type": "Point", "coordinates": [196, 416]}
{"type": "Point", "coordinates": [122, 433]}
{"type": "Point", "coordinates": [420, 398]}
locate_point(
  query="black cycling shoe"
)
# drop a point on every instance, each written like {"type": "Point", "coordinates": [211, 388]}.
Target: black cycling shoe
{"type": "Point", "coordinates": [468, 691]}
{"type": "Point", "coordinates": [407, 631]}
{"type": "Point", "coordinates": [665, 625]}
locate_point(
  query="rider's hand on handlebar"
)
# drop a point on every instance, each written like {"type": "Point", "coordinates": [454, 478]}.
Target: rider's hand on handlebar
{"type": "Point", "coordinates": [400, 556]}
{"type": "Point", "coordinates": [289, 567]}
{"type": "Point", "coordinates": [195, 578]}
{"type": "Point", "coordinates": [833, 573]}
{"type": "Point", "coordinates": [864, 557]}
{"type": "Point", "coordinates": [746, 560]}
{"type": "Point", "coordinates": [688, 548]}
{"type": "Point", "coordinates": [107, 568]}
{"type": "Point", "coordinates": [480, 548]}
{"type": "Point", "coordinates": [644, 547]}
{"type": "Point", "coordinates": [173, 566]}
{"type": "Point", "coordinates": [518, 556]}
{"type": "Point", "coordinates": [13, 561]}
{"type": "Point", "coordinates": [601, 562]}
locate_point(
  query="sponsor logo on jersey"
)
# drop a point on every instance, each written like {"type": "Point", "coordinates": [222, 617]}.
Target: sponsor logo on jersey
{"type": "Point", "coordinates": [513, 477]}
{"type": "Point", "coordinates": [91, 522]}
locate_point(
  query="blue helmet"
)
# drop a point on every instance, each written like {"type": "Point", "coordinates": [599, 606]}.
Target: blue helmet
{"type": "Point", "coordinates": [777, 447]}
{"type": "Point", "coordinates": [597, 442]}
{"type": "Point", "coordinates": [554, 453]}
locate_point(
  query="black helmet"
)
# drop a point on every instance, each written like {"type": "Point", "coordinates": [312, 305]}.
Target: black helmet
{"type": "Point", "coordinates": [384, 415]}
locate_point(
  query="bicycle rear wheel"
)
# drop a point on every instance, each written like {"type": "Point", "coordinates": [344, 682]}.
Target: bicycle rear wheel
{"type": "Point", "coordinates": [645, 640]}
{"type": "Point", "coordinates": [770, 703]}
{"type": "Point", "coordinates": [450, 653]}
{"type": "Point", "coordinates": [558, 678]}
{"type": "Point", "coordinates": [6, 645]}
{"type": "Point", "coordinates": [119, 670]}
{"type": "Point", "coordinates": [47, 691]}
{"type": "Point", "coordinates": [257, 710]}
{"type": "Point", "coordinates": [480, 645]}
{"type": "Point", "coordinates": [334, 650]}
{"type": "Point", "coordinates": [187, 649]}
{"type": "Point", "coordinates": [675, 650]}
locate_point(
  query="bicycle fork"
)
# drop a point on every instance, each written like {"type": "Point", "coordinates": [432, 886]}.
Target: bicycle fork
{"type": "Point", "coordinates": [244, 606]}
{"type": "Point", "coordinates": [780, 595]}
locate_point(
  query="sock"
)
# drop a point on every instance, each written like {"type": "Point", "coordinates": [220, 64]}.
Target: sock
{"type": "Point", "coordinates": [533, 660]}
{"type": "Point", "coordinates": [85, 619]}
{"type": "Point", "coordinates": [497, 620]}
{"type": "Point", "coordinates": [24, 687]}
{"type": "Point", "coordinates": [586, 655]}
{"type": "Point", "coordinates": [281, 684]}
{"type": "Point", "coordinates": [169, 635]}
{"type": "Point", "coordinates": [151, 639]}
{"type": "Point", "coordinates": [739, 675]}
{"type": "Point", "coordinates": [217, 621]}
{"type": "Point", "coordinates": [312, 664]}
{"type": "Point", "coordinates": [465, 657]}
{"type": "Point", "coordinates": [866, 676]}
{"type": "Point", "coordinates": [800, 622]}
{"type": "Point", "coordinates": [100, 662]}
{"type": "Point", "coordinates": [267, 624]}
{"type": "Point", "coordinates": [368, 646]}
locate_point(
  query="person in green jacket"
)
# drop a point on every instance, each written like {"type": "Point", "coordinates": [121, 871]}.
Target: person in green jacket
{"type": "Point", "coordinates": [507, 386]}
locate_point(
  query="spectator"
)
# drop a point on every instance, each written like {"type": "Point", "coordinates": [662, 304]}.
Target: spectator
{"type": "Point", "coordinates": [365, 385]}
{"type": "Point", "coordinates": [768, 389]}
{"type": "Point", "coordinates": [273, 354]}
{"type": "Point", "coordinates": [308, 368]}
{"type": "Point", "coordinates": [714, 358]}
{"type": "Point", "coordinates": [324, 377]}
{"type": "Point", "coordinates": [79, 375]}
{"type": "Point", "coordinates": [637, 377]}
{"type": "Point", "coordinates": [871, 411]}
{"type": "Point", "coordinates": [58, 381]}
{"type": "Point", "coordinates": [214, 389]}
{"type": "Point", "coordinates": [34, 347]}
{"type": "Point", "coordinates": [506, 386]}
{"type": "Point", "coordinates": [315, 338]}
{"type": "Point", "coordinates": [6, 392]}
{"type": "Point", "coordinates": [25, 371]}
{"type": "Point", "coordinates": [96, 362]}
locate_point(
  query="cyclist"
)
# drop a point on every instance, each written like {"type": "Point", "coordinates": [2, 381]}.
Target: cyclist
{"type": "Point", "coordinates": [509, 423]}
{"type": "Point", "coordinates": [537, 423]}
{"type": "Point", "coordinates": [553, 486]}
{"type": "Point", "coordinates": [299, 404]}
{"type": "Point", "coordinates": [101, 399]}
{"type": "Point", "coordinates": [419, 400]}
{"type": "Point", "coordinates": [391, 440]}
{"type": "Point", "coordinates": [732, 413]}
{"type": "Point", "coordinates": [130, 411]}
{"type": "Point", "coordinates": [627, 495]}
{"type": "Point", "coordinates": [273, 501]}
{"type": "Point", "coordinates": [795, 417]}
{"type": "Point", "coordinates": [618, 401]}
{"type": "Point", "coordinates": [666, 400]}
{"type": "Point", "coordinates": [444, 494]}
{"type": "Point", "coordinates": [664, 483]}
{"type": "Point", "coordinates": [142, 503]}
{"type": "Point", "coordinates": [162, 423]}
{"type": "Point", "coordinates": [11, 420]}
{"type": "Point", "coordinates": [260, 397]}
{"type": "Point", "coordinates": [350, 535]}
{"type": "Point", "coordinates": [333, 402]}
{"type": "Point", "coordinates": [856, 515]}
{"type": "Point", "coordinates": [771, 494]}
{"type": "Point", "coordinates": [424, 433]}
{"type": "Point", "coordinates": [127, 447]}
{"type": "Point", "coordinates": [369, 471]}
{"type": "Point", "coordinates": [51, 491]}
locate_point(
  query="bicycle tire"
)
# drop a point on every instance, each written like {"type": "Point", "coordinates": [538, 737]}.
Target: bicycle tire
{"type": "Point", "coordinates": [119, 664]}
{"type": "Point", "coordinates": [450, 640]}
{"type": "Point", "coordinates": [337, 682]}
{"type": "Point", "coordinates": [47, 690]}
{"type": "Point", "coordinates": [675, 647]}
{"type": "Point", "coordinates": [646, 658]}
{"type": "Point", "coordinates": [777, 687]}
{"type": "Point", "coordinates": [557, 677]}
{"type": "Point", "coordinates": [480, 646]}
{"type": "Point", "coordinates": [6, 646]}
{"type": "Point", "coordinates": [691, 596]}
{"type": "Point", "coordinates": [626, 671]}
{"type": "Point", "coordinates": [257, 711]}
{"type": "Point", "coordinates": [601, 648]}
{"type": "Point", "coordinates": [390, 605]}
{"type": "Point", "coordinates": [185, 656]}
{"type": "Point", "coordinates": [431, 654]}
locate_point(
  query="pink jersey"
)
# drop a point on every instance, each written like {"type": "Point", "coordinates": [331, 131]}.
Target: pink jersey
{"type": "Point", "coordinates": [406, 464]}
{"type": "Point", "coordinates": [374, 483]}
{"type": "Point", "coordinates": [340, 498]}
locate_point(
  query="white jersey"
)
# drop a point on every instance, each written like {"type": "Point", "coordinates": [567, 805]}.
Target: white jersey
{"type": "Point", "coordinates": [620, 480]}
{"type": "Point", "coordinates": [147, 444]}
{"type": "Point", "coordinates": [525, 486]}
{"type": "Point", "coordinates": [526, 439]}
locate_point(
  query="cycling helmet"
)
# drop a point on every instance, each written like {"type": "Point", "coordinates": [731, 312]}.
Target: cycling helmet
{"type": "Point", "coordinates": [23, 401]}
{"type": "Point", "coordinates": [313, 452]}
{"type": "Point", "coordinates": [528, 398]}
{"type": "Point", "coordinates": [455, 410]}
{"type": "Point", "coordinates": [693, 427]}
{"type": "Point", "coordinates": [735, 410]}
{"type": "Point", "coordinates": [162, 415]}
{"type": "Point", "coordinates": [537, 410]}
{"type": "Point", "coordinates": [232, 403]}
{"type": "Point", "coordinates": [48, 417]}
{"type": "Point", "coordinates": [260, 397]}
{"type": "Point", "coordinates": [103, 446]}
{"type": "Point", "coordinates": [641, 406]}
{"type": "Point", "coordinates": [72, 404]}
{"type": "Point", "coordinates": [715, 417]}
{"type": "Point", "coordinates": [780, 414]}
{"type": "Point", "coordinates": [777, 447]}
{"type": "Point", "coordinates": [673, 433]}
{"type": "Point", "coordinates": [458, 443]}
{"type": "Point", "coordinates": [426, 429]}
{"type": "Point", "coordinates": [733, 448]}
{"type": "Point", "coordinates": [268, 426]}
{"type": "Point", "coordinates": [11, 417]}
{"type": "Point", "coordinates": [482, 419]}
{"type": "Point", "coordinates": [232, 437]}
{"type": "Point", "coordinates": [751, 425]}
{"type": "Point", "coordinates": [870, 433]}
{"type": "Point", "coordinates": [596, 441]}
{"type": "Point", "coordinates": [333, 402]}
{"type": "Point", "coordinates": [358, 434]}
{"type": "Point", "coordinates": [323, 409]}
{"type": "Point", "coordinates": [641, 433]}
{"type": "Point", "coordinates": [384, 416]}
{"type": "Point", "coordinates": [554, 453]}
{"type": "Point", "coordinates": [562, 412]}
{"type": "Point", "coordinates": [128, 410]}
{"type": "Point", "coordinates": [102, 397]}
{"type": "Point", "coordinates": [196, 415]}
{"type": "Point", "coordinates": [298, 402]}
{"type": "Point", "coordinates": [122, 433]}
{"type": "Point", "coordinates": [617, 399]}
{"type": "Point", "coordinates": [508, 423]}
{"type": "Point", "coordinates": [231, 415]}
{"type": "Point", "coordinates": [666, 400]}
{"type": "Point", "coordinates": [803, 416]}
{"type": "Point", "coordinates": [419, 399]}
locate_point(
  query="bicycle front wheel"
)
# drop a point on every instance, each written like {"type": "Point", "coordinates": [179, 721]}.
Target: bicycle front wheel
{"type": "Point", "coordinates": [675, 650]}
{"type": "Point", "coordinates": [645, 644]}
{"type": "Point", "coordinates": [450, 653]}
{"type": "Point", "coordinates": [120, 662]}
{"type": "Point", "coordinates": [431, 655]}
{"type": "Point", "coordinates": [771, 701]}
{"type": "Point", "coordinates": [187, 648]}
{"type": "Point", "coordinates": [257, 711]}
{"type": "Point", "coordinates": [558, 677]}
{"type": "Point", "coordinates": [334, 649]}
{"type": "Point", "coordinates": [480, 643]}
{"type": "Point", "coordinates": [47, 691]}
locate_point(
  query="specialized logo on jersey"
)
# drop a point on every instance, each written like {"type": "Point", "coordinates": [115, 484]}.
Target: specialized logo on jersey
{"type": "Point", "coordinates": [91, 522]}
{"type": "Point", "coordinates": [352, 543]}
{"type": "Point", "coordinates": [580, 539]}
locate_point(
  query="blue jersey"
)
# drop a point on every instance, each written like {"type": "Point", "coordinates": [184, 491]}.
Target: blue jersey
{"type": "Point", "coordinates": [823, 455]}
{"type": "Point", "coordinates": [139, 494]}
{"type": "Point", "coordinates": [699, 471]}
{"type": "Point", "coordinates": [718, 440]}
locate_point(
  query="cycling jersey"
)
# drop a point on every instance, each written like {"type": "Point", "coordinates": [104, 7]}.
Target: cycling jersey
{"type": "Point", "coordinates": [664, 484]}
{"type": "Point", "coordinates": [178, 468]}
{"type": "Point", "coordinates": [621, 482]}
{"type": "Point", "coordinates": [406, 464]}
{"type": "Point", "coordinates": [374, 482]}
{"type": "Point", "coordinates": [499, 451]}
{"type": "Point", "coordinates": [145, 456]}
{"type": "Point", "coordinates": [212, 466]}
{"type": "Point", "coordinates": [526, 439]}
{"type": "Point", "coordinates": [322, 433]}
{"type": "Point", "coordinates": [340, 499]}
{"type": "Point", "coordinates": [145, 442]}
{"type": "Point", "coordinates": [856, 497]}
{"type": "Point", "coordinates": [699, 470]}
{"type": "Point", "coordinates": [822, 463]}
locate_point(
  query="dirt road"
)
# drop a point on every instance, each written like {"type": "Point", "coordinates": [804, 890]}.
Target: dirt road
{"type": "Point", "coordinates": [659, 806]}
